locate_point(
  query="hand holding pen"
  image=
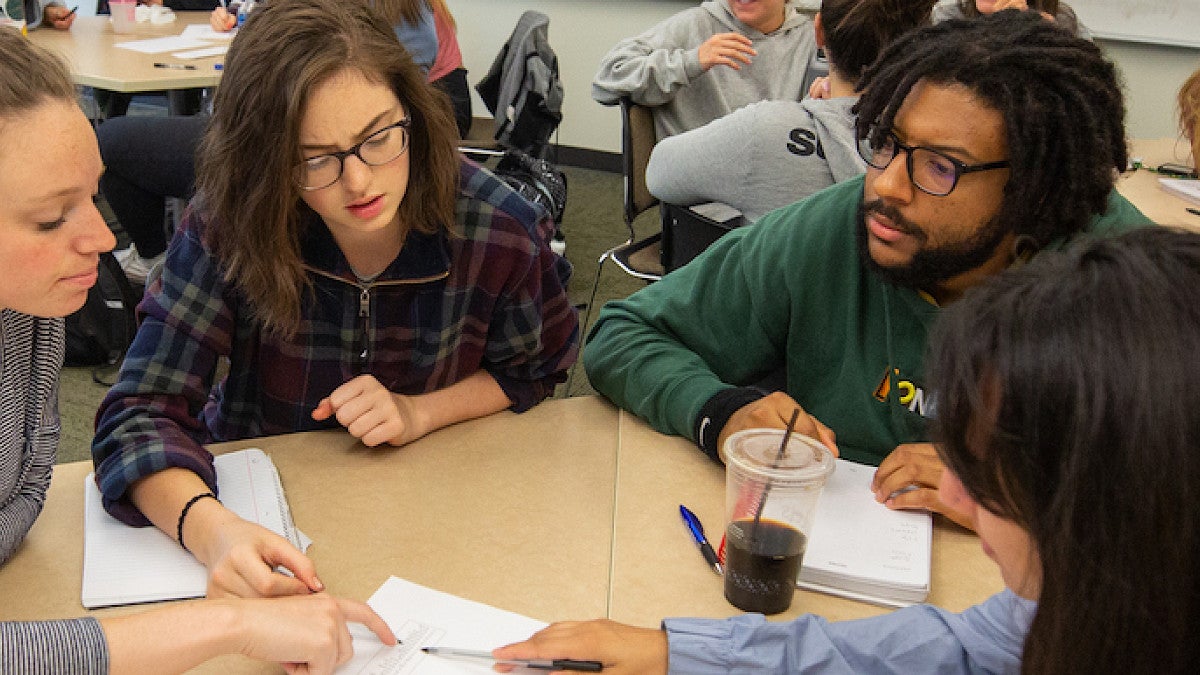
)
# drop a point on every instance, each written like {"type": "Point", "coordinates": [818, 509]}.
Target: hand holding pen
{"type": "Point", "coordinates": [622, 649]}
{"type": "Point", "coordinates": [573, 665]}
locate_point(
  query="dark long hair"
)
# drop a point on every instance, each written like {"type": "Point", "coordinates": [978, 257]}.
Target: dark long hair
{"type": "Point", "coordinates": [246, 163]}
{"type": "Point", "coordinates": [1064, 114]}
{"type": "Point", "coordinates": [1088, 362]}
{"type": "Point", "coordinates": [857, 30]}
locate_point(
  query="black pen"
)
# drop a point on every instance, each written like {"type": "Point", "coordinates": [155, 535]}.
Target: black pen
{"type": "Point", "coordinates": [69, 13]}
{"type": "Point", "coordinates": [706, 549]}
{"type": "Point", "coordinates": [535, 664]}
{"type": "Point", "coordinates": [1194, 212]}
{"type": "Point", "coordinates": [175, 66]}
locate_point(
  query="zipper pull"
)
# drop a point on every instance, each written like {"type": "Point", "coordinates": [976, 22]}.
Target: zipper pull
{"type": "Point", "coordinates": [364, 302]}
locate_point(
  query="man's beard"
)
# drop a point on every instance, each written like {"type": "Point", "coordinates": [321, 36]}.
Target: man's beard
{"type": "Point", "coordinates": [929, 267]}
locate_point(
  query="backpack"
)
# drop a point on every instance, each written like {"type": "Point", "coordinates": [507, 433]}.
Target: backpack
{"type": "Point", "coordinates": [99, 332]}
{"type": "Point", "coordinates": [536, 180]}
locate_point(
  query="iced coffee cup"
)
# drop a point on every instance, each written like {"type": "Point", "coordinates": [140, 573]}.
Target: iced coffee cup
{"type": "Point", "coordinates": [770, 499]}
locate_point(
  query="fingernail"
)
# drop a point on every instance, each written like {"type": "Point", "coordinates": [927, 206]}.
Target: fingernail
{"type": "Point", "coordinates": [319, 586]}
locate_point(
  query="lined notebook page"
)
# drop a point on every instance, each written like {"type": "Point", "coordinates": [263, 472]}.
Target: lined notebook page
{"type": "Point", "coordinates": [124, 565]}
{"type": "Point", "coordinates": [861, 548]}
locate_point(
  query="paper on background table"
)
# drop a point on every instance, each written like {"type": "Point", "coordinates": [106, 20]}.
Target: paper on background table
{"type": "Point", "coordinates": [202, 52]}
{"type": "Point", "coordinates": [162, 44]}
{"type": "Point", "coordinates": [863, 550]}
{"type": "Point", "coordinates": [424, 617]}
{"type": "Point", "coordinates": [123, 565]}
{"type": "Point", "coordinates": [202, 31]}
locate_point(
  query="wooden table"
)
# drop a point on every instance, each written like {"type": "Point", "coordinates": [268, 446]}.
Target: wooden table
{"type": "Point", "coordinates": [89, 49]}
{"type": "Point", "coordinates": [568, 511]}
{"type": "Point", "coordinates": [1142, 188]}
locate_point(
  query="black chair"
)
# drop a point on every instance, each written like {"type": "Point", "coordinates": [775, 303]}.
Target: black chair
{"type": "Point", "coordinates": [688, 230]}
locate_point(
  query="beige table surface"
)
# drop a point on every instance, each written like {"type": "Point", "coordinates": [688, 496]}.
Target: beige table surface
{"type": "Point", "coordinates": [1142, 188]}
{"type": "Point", "coordinates": [658, 571]}
{"type": "Point", "coordinates": [568, 511]}
{"type": "Point", "coordinates": [510, 510]}
{"type": "Point", "coordinates": [88, 48]}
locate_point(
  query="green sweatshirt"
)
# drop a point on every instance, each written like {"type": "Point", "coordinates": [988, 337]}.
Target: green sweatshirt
{"type": "Point", "coordinates": [787, 293]}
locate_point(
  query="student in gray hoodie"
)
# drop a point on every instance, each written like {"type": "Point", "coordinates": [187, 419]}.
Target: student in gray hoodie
{"type": "Point", "coordinates": [772, 153]}
{"type": "Point", "coordinates": [710, 60]}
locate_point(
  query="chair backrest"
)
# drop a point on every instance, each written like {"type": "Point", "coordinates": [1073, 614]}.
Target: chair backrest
{"type": "Point", "coordinates": [637, 140]}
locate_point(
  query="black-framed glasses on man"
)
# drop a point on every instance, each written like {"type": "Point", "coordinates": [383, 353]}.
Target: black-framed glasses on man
{"type": "Point", "coordinates": [379, 148]}
{"type": "Point", "coordinates": [933, 172]}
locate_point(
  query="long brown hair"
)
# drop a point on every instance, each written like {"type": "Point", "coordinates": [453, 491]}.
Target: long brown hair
{"type": "Point", "coordinates": [1067, 393]}
{"type": "Point", "coordinates": [395, 11]}
{"type": "Point", "coordinates": [30, 76]}
{"type": "Point", "coordinates": [247, 161]}
{"type": "Point", "coordinates": [1189, 114]}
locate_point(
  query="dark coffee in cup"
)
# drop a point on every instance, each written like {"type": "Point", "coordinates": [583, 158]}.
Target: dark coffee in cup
{"type": "Point", "coordinates": [762, 562]}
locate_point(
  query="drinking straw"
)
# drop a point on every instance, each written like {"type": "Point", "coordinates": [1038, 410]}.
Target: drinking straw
{"type": "Point", "coordinates": [762, 502]}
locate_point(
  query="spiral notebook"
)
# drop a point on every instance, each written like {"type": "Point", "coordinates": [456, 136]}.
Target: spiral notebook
{"type": "Point", "coordinates": [124, 565]}
{"type": "Point", "coordinates": [861, 549]}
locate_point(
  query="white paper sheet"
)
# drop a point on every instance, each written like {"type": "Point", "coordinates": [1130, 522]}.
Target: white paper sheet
{"type": "Point", "coordinates": [423, 617]}
{"type": "Point", "coordinates": [200, 31]}
{"type": "Point", "coordinates": [202, 52]}
{"type": "Point", "coordinates": [163, 44]}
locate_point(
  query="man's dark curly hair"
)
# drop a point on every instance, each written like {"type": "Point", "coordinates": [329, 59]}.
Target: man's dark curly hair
{"type": "Point", "coordinates": [1061, 101]}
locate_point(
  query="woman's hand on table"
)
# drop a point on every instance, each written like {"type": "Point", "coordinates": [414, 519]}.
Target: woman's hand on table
{"type": "Point", "coordinates": [242, 556]}
{"type": "Point", "coordinates": [373, 414]}
{"type": "Point", "coordinates": [621, 648]}
{"type": "Point", "coordinates": [307, 634]}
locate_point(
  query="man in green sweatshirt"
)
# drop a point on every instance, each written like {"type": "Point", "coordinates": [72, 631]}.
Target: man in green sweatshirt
{"type": "Point", "coordinates": [986, 140]}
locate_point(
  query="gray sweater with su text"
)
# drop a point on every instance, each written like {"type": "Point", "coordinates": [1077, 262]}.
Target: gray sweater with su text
{"type": "Point", "coordinates": [757, 159]}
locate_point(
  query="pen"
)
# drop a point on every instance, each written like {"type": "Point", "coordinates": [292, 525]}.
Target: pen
{"type": "Point", "coordinates": [706, 549]}
{"type": "Point", "coordinates": [1194, 212]}
{"type": "Point", "coordinates": [175, 66]}
{"type": "Point", "coordinates": [536, 664]}
{"type": "Point", "coordinates": [70, 12]}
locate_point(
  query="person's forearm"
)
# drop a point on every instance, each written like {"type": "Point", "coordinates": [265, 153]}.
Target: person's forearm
{"type": "Point", "coordinates": [162, 496]}
{"type": "Point", "coordinates": [475, 396]}
{"type": "Point", "coordinates": [172, 639]}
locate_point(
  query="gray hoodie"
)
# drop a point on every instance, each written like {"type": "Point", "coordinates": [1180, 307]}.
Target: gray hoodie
{"type": "Point", "coordinates": [661, 67]}
{"type": "Point", "coordinates": [757, 159]}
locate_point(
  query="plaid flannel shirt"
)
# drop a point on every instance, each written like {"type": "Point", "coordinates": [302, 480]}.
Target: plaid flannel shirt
{"type": "Point", "coordinates": [492, 298]}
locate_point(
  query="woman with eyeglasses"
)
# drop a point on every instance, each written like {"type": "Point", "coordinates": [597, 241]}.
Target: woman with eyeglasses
{"type": "Point", "coordinates": [350, 268]}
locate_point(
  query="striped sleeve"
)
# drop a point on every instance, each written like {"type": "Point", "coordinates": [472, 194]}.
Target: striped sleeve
{"type": "Point", "coordinates": [69, 647]}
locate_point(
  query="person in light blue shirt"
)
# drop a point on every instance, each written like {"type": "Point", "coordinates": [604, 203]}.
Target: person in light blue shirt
{"type": "Point", "coordinates": [1067, 394]}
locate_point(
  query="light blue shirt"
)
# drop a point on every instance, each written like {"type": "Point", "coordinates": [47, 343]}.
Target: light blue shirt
{"type": "Point", "coordinates": [987, 638]}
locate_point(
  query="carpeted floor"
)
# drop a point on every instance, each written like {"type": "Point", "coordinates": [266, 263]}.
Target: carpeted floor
{"type": "Point", "coordinates": [592, 224]}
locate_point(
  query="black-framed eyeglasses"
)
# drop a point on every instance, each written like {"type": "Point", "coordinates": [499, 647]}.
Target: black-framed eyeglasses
{"type": "Point", "coordinates": [931, 171]}
{"type": "Point", "coordinates": [379, 148]}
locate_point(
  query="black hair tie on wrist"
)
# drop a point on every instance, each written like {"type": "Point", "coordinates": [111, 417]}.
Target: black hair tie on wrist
{"type": "Point", "coordinates": [183, 514]}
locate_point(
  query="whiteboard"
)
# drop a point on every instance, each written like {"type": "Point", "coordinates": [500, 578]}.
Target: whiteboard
{"type": "Point", "coordinates": [1166, 22]}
